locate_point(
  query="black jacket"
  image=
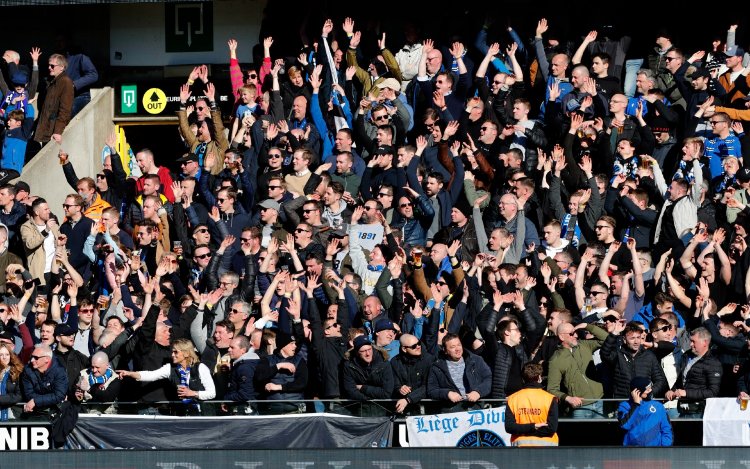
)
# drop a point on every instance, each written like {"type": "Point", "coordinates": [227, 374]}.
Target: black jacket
{"type": "Point", "coordinates": [411, 371]}
{"type": "Point", "coordinates": [626, 365]}
{"type": "Point", "coordinates": [241, 387]}
{"type": "Point", "coordinates": [703, 379]}
{"type": "Point", "coordinates": [506, 373]}
{"type": "Point", "coordinates": [376, 378]}
{"type": "Point", "coordinates": [74, 362]}
{"type": "Point", "coordinates": [327, 353]}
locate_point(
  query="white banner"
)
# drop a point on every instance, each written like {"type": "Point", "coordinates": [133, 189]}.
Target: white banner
{"type": "Point", "coordinates": [724, 424]}
{"type": "Point", "coordinates": [484, 427]}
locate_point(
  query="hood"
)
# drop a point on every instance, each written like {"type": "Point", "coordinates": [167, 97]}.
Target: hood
{"type": "Point", "coordinates": [249, 355]}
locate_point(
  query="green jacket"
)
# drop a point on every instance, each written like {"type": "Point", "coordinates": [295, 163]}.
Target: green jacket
{"type": "Point", "coordinates": [572, 371]}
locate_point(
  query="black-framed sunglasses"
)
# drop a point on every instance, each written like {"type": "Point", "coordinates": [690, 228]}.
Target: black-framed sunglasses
{"type": "Point", "coordinates": [335, 324]}
{"type": "Point", "coordinates": [413, 347]}
{"type": "Point", "coordinates": [409, 204]}
{"type": "Point", "coordinates": [664, 328]}
{"type": "Point", "coordinates": [203, 256]}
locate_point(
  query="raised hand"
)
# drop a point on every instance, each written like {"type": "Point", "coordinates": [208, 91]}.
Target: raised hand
{"type": "Point", "coordinates": [327, 27]}
{"type": "Point", "coordinates": [554, 91]}
{"type": "Point", "coordinates": [232, 44]}
{"type": "Point", "coordinates": [457, 50]}
{"type": "Point", "coordinates": [210, 92]}
{"type": "Point", "coordinates": [381, 42]}
{"type": "Point", "coordinates": [185, 93]}
{"type": "Point", "coordinates": [267, 43]}
{"type": "Point", "coordinates": [453, 248]}
{"type": "Point", "coordinates": [438, 99]}
{"type": "Point", "coordinates": [348, 26]}
{"type": "Point", "coordinates": [427, 46]}
{"type": "Point", "coordinates": [35, 54]}
{"type": "Point", "coordinates": [451, 129]}
{"type": "Point", "coordinates": [541, 27]}
{"type": "Point", "coordinates": [354, 42]}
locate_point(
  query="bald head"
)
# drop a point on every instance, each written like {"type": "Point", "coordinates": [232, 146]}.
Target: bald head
{"type": "Point", "coordinates": [100, 359]}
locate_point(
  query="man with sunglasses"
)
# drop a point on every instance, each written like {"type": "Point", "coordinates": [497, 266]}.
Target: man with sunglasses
{"type": "Point", "coordinates": [413, 218]}
{"type": "Point", "coordinates": [56, 110]}
{"type": "Point", "coordinates": [410, 369]}
{"type": "Point", "coordinates": [571, 369]}
{"type": "Point", "coordinates": [72, 360]}
{"type": "Point", "coordinates": [43, 381]}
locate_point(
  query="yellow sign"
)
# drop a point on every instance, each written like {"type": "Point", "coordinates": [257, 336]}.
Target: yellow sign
{"type": "Point", "coordinates": [154, 101]}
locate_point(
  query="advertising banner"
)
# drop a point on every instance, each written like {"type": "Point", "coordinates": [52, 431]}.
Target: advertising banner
{"type": "Point", "coordinates": [485, 427]}
{"type": "Point", "coordinates": [303, 431]}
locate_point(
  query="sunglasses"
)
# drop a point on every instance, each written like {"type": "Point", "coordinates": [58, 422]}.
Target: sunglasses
{"type": "Point", "coordinates": [441, 283]}
{"type": "Point", "coordinates": [409, 204]}
{"type": "Point", "coordinates": [669, 59]}
{"type": "Point", "coordinates": [36, 357]}
{"type": "Point", "coordinates": [66, 206]}
{"type": "Point", "coordinates": [252, 76]}
{"type": "Point", "coordinates": [300, 230]}
{"type": "Point", "coordinates": [308, 210]}
{"type": "Point", "coordinates": [601, 227]}
{"type": "Point", "coordinates": [202, 230]}
{"type": "Point", "coordinates": [220, 200]}
{"type": "Point", "coordinates": [101, 176]}
{"type": "Point", "coordinates": [52, 65]}
{"type": "Point", "coordinates": [335, 324]}
{"type": "Point", "coordinates": [485, 128]}
{"type": "Point", "coordinates": [86, 310]}
{"type": "Point", "coordinates": [380, 118]}
{"type": "Point", "coordinates": [384, 194]}
{"type": "Point", "coordinates": [594, 293]}
{"type": "Point", "coordinates": [203, 256]}
{"type": "Point", "coordinates": [413, 347]}
{"type": "Point", "coordinates": [200, 108]}
{"type": "Point", "coordinates": [246, 240]}
{"type": "Point", "coordinates": [235, 311]}
{"type": "Point", "coordinates": [274, 155]}
{"type": "Point", "coordinates": [664, 328]}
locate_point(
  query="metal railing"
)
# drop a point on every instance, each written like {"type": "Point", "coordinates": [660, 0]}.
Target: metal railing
{"type": "Point", "coordinates": [344, 407]}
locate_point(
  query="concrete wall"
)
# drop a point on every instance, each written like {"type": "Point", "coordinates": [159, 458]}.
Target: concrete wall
{"type": "Point", "coordinates": [83, 140]}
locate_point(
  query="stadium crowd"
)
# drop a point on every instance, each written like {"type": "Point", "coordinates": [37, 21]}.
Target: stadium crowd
{"type": "Point", "coordinates": [408, 226]}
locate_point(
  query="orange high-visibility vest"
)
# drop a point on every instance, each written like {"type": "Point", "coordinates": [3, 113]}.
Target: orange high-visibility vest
{"type": "Point", "coordinates": [531, 405]}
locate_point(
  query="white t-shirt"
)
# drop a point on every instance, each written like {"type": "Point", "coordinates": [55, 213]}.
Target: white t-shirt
{"type": "Point", "coordinates": [49, 248]}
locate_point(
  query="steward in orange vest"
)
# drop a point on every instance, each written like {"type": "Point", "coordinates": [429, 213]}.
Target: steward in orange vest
{"type": "Point", "coordinates": [531, 413]}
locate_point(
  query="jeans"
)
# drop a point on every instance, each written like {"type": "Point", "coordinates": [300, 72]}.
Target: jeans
{"type": "Point", "coordinates": [631, 71]}
{"type": "Point", "coordinates": [79, 102]}
{"type": "Point", "coordinates": [594, 410]}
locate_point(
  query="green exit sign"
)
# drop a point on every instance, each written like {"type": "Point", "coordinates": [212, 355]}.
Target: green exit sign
{"type": "Point", "coordinates": [129, 99]}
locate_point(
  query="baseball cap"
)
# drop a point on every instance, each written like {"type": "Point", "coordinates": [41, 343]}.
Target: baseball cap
{"type": "Point", "coordinates": [384, 325]}
{"type": "Point", "coordinates": [384, 150]}
{"type": "Point", "coordinates": [391, 83]}
{"type": "Point", "coordinates": [64, 329]}
{"type": "Point", "coordinates": [188, 157]}
{"type": "Point", "coordinates": [270, 203]}
{"type": "Point", "coordinates": [640, 383]}
{"type": "Point", "coordinates": [735, 51]}
{"type": "Point", "coordinates": [700, 72]}
{"type": "Point", "coordinates": [743, 175]}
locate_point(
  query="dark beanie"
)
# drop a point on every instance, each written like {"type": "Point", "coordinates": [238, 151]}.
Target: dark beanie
{"type": "Point", "coordinates": [640, 383]}
{"type": "Point", "coordinates": [462, 205]}
{"type": "Point", "coordinates": [386, 251]}
{"type": "Point", "coordinates": [361, 341]}
{"type": "Point", "coordinates": [283, 339]}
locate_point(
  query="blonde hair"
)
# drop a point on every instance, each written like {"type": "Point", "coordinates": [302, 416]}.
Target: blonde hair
{"type": "Point", "coordinates": [186, 347]}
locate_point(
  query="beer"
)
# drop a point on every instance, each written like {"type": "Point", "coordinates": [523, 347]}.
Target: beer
{"type": "Point", "coordinates": [417, 253]}
{"type": "Point", "coordinates": [743, 403]}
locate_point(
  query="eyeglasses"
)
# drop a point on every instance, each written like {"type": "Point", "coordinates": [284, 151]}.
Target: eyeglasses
{"type": "Point", "coordinates": [202, 256]}
{"type": "Point", "coordinates": [252, 76]}
{"type": "Point", "coordinates": [335, 324]}
{"type": "Point", "coordinates": [664, 328]}
{"type": "Point", "coordinates": [235, 311]}
{"type": "Point", "coordinates": [370, 208]}
{"type": "Point", "coordinates": [67, 206]}
{"type": "Point", "coordinates": [717, 122]}
{"type": "Point", "coordinates": [273, 187]}
{"type": "Point", "coordinates": [380, 118]}
{"type": "Point", "coordinates": [594, 293]}
{"type": "Point", "coordinates": [274, 155]}
{"type": "Point", "coordinates": [201, 230]}
{"type": "Point", "coordinates": [53, 65]}
{"type": "Point", "coordinates": [414, 346]}
{"type": "Point", "coordinates": [300, 230]}
{"type": "Point", "coordinates": [485, 128]}
{"type": "Point", "coordinates": [101, 176]}
{"type": "Point", "coordinates": [200, 108]}
{"type": "Point", "coordinates": [669, 59]}
{"type": "Point", "coordinates": [601, 227]}
{"type": "Point", "coordinates": [37, 357]}
{"type": "Point", "coordinates": [384, 194]}
{"type": "Point", "coordinates": [441, 283]}
{"type": "Point", "coordinates": [408, 204]}
{"type": "Point", "coordinates": [246, 240]}
{"type": "Point", "coordinates": [308, 210]}
{"type": "Point", "coordinates": [86, 310]}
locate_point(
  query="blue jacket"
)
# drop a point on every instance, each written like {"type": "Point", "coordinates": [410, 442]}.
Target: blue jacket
{"type": "Point", "coordinates": [646, 424]}
{"type": "Point", "coordinates": [14, 145]}
{"type": "Point", "coordinates": [477, 377]}
{"type": "Point", "coordinates": [241, 387]}
{"type": "Point", "coordinates": [47, 389]}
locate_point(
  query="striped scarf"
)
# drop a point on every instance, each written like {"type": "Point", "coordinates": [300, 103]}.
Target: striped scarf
{"type": "Point", "coordinates": [95, 380]}
{"type": "Point", "coordinates": [185, 381]}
